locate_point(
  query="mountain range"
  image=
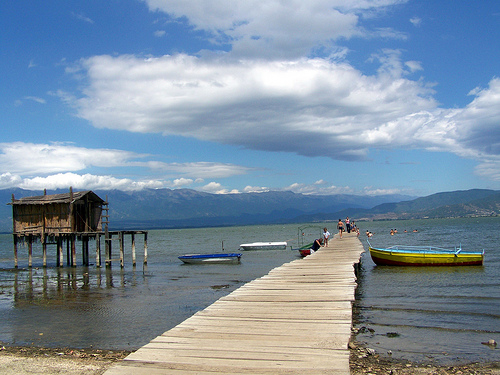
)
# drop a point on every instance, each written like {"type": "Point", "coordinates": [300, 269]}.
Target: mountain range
{"type": "Point", "coordinates": [166, 208]}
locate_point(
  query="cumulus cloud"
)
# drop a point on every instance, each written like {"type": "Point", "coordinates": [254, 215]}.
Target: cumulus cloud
{"type": "Point", "coordinates": [284, 29]}
{"type": "Point", "coordinates": [270, 106]}
{"type": "Point", "coordinates": [271, 92]}
{"type": "Point", "coordinates": [30, 158]}
{"type": "Point", "coordinates": [321, 188]}
{"type": "Point", "coordinates": [86, 181]}
{"type": "Point", "coordinates": [55, 166]}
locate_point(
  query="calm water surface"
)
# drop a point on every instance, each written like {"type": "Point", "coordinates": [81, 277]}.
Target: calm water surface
{"type": "Point", "coordinates": [432, 314]}
{"type": "Point", "coordinates": [423, 314]}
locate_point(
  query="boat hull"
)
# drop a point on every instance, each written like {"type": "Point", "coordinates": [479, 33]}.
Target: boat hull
{"type": "Point", "coordinates": [232, 258]}
{"type": "Point", "coordinates": [305, 250]}
{"type": "Point", "coordinates": [388, 257]}
{"type": "Point", "coordinates": [263, 246]}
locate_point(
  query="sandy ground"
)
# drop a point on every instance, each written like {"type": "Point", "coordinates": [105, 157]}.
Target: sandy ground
{"type": "Point", "coordinates": [31, 360]}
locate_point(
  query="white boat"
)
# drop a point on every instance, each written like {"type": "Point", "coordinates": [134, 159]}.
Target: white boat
{"type": "Point", "coordinates": [263, 246]}
{"type": "Point", "coordinates": [231, 258]}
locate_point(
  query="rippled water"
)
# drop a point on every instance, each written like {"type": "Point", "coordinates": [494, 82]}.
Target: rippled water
{"type": "Point", "coordinates": [440, 314]}
{"type": "Point", "coordinates": [126, 308]}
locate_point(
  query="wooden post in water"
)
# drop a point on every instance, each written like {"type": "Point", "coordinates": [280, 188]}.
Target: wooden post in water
{"type": "Point", "coordinates": [85, 250]}
{"type": "Point", "coordinates": [44, 250]}
{"type": "Point", "coordinates": [14, 232]}
{"type": "Point", "coordinates": [145, 247]}
{"type": "Point", "coordinates": [60, 257]}
{"type": "Point", "coordinates": [98, 250]}
{"type": "Point", "coordinates": [122, 252]}
{"type": "Point", "coordinates": [15, 251]}
{"type": "Point", "coordinates": [133, 249]}
{"type": "Point", "coordinates": [68, 252]}
{"type": "Point", "coordinates": [30, 251]}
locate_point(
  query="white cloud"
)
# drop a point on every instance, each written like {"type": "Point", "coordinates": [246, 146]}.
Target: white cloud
{"type": "Point", "coordinates": [181, 182]}
{"type": "Point", "coordinates": [200, 170]}
{"type": "Point", "coordinates": [29, 158]}
{"type": "Point", "coordinates": [271, 106]}
{"type": "Point", "coordinates": [86, 181]}
{"type": "Point", "coordinates": [55, 164]}
{"type": "Point", "coordinates": [416, 21]}
{"type": "Point", "coordinates": [255, 189]}
{"type": "Point", "coordinates": [82, 17]}
{"type": "Point", "coordinates": [8, 180]}
{"type": "Point", "coordinates": [318, 189]}
{"type": "Point", "coordinates": [35, 99]}
{"type": "Point", "coordinates": [160, 33]}
{"type": "Point", "coordinates": [214, 187]}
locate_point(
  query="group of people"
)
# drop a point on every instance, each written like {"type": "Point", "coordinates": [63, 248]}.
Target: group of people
{"type": "Point", "coordinates": [349, 227]}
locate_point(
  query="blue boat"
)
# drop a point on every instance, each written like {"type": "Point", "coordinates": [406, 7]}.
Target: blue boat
{"type": "Point", "coordinates": [228, 258]}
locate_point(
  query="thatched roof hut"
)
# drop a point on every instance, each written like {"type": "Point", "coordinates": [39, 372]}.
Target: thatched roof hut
{"type": "Point", "coordinates": [78, 212]}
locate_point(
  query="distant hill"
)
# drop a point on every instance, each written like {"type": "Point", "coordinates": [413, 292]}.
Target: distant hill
{"type": "Point", "coordinates": [465, 203]}
{"type": "Point", "coordinates": [165, 208]}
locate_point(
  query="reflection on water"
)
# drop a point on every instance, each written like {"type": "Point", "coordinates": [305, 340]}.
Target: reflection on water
{"type": "Point", "coordinates": [125, 308]}
{"type": "Point", "coordinates": [53, 285]}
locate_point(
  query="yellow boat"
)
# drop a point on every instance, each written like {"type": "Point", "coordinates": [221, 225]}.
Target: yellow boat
{"type": "Point", "coordinates": [425, 256]}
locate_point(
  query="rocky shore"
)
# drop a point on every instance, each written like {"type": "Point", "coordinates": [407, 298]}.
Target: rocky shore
{"type": "Point", "coordinates": [363, 362]}
{"type": "Point", "coordinates": [34, 360]}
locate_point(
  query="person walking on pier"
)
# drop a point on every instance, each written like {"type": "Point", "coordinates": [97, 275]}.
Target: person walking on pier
{"type": "Point", "coordinates": [348, 225]}
{"type": "Point", "coordinates": [340, 227]}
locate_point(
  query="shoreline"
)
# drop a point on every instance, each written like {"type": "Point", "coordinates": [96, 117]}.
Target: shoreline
{"type": "Point", "coordinates": [38, 360]}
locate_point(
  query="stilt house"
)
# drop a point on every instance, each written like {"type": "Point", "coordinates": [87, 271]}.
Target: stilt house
{"type": "Point", "coordinates": [67, 218]}
{"type": "Point", "coordinates": [39, 216]}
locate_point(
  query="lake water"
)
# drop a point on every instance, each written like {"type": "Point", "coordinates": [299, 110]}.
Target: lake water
{"type": "Point", "coordinates": [436, 314]}
{"type": "Point", "coordinates": [439, 314]}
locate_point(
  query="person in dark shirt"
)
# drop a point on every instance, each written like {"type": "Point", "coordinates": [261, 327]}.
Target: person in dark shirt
{"type": "Point", "coordinates": [316, 245]}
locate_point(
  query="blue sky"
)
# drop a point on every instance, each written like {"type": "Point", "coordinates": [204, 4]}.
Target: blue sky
{"type": "Point", "coordinates": [316, 97]}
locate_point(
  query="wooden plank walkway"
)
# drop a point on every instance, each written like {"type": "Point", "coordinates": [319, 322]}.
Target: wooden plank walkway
{"type": "Point", "coordinates": [295, 320]}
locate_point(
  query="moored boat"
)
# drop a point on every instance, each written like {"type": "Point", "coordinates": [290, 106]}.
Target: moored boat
{"type": "Point", "coordinates": [231, 258]}
{"type": "Point", "coordinates": [305, 250]}
{"type": "Point", "coordinates": [264, 246]}
{"type": "Point", "coordinates": [400, 255]}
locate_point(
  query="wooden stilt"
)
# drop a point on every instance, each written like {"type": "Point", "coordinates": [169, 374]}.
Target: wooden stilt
{"type": "Point", "coordinates": [145, 247]}
{"type": "Point", "coordinates": [122, 251]}
{"type": "Point", "coordinates": [72, 238]}
{"type": "Point", "coordinates": [68, 252]}
{"type": "Point", "coordinates": [15, 251]}
{"type": "Point", "coordinates": [60, 257]}
{"type": "Point", "coordinates": [44, 251]}
{"type": "Point", "coordinates": [133, 249]}
{"type": "Point", "coordinates": [85, 250]}
{"type": "Point", "coordinates": [108, 250]}
{"type": "Point", "coordinates": [30, 251]}
{"type": "Point", "coordinates": [98, 250]}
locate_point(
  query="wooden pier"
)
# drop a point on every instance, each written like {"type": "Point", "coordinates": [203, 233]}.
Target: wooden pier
{"type": "Point", "coordinates": [295, 320]}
